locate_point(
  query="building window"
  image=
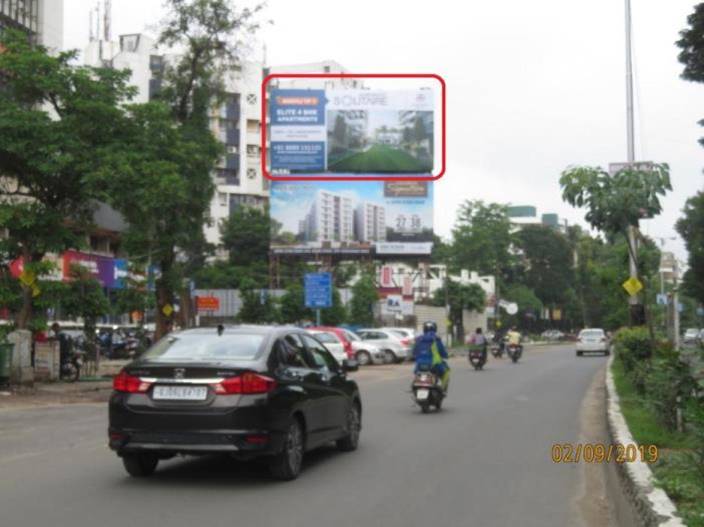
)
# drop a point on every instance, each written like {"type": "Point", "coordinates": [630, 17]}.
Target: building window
{"type": "Point", "coordinates": [222, 199]}
{"type": "Point", "coordinates": [228, 177]}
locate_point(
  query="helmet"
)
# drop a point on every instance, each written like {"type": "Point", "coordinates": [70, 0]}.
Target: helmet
{"type": "Point", "coordinates": [430, 326]}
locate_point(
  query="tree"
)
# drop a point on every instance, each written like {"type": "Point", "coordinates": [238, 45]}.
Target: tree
{"type": "Point", "coordinates": [257, 305]}
{"type": "Point", "coordinates": [245, 236]}
{"type": "Point", "coordinates": [56, 120]}
{"type": "Point", "coordinates": [292, 305]}
{"type": "Point", "coordinates": [692, 45]}
{"type": "Point", "coordinates": [336, 314]}
{"type": "Point", "coordinates": [529, 305]}
{"type": "Point", "coordinates": [691, 228]}
{"type": "Point", "coordinates": [617, 203]}
{"type": "Point", "coordinates": [548, 260]}
{"type": "Point", "coordinates": [481, 238]}
{"type": "Point", "coordinates": [460, 297]}
{"type": "Point", "coordinates": [364, 297]}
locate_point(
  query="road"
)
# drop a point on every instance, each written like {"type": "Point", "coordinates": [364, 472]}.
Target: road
{"type": "Point", "coordinates": [483, 461]}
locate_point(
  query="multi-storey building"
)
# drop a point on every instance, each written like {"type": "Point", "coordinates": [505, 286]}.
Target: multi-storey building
{"type": "Point", "coordinates": [330, 219]}
{"type": "Point", "coordinates": [370, 222]}
{"type": "Point", "coordinates": [236, 121]}
{"type": "Point", "coordinates": [42, 19]}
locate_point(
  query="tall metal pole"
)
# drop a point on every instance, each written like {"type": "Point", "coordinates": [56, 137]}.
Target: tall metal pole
{"type": "Point", "coordinates": [633, 300]}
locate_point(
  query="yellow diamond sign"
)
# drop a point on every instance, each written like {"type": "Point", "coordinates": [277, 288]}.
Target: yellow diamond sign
{"type": "Point", "coordinates": [167, 310]}
{"type": "Point", "coordinates": [28, 277]}
{"type": "Point", "coordinates": [632, 286]}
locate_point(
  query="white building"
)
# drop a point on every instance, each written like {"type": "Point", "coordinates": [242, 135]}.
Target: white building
{"type": "Point", "coordinates": [236, 121]}
{"type": "Point", "coordinates": [330, 219]}
{"type": "Point", "coordinates": [370, 222]}
{"type": "Point", "coordinates": [44, 19]}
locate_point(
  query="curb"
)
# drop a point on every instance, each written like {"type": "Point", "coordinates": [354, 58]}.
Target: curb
{"type": "Point", "coordinates": [653, 506]}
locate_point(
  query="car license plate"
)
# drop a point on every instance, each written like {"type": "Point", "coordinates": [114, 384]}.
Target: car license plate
{"type": "Point", "coordinates": [180, 393]}
{"type": "Point", "coordinates": [422, 395]}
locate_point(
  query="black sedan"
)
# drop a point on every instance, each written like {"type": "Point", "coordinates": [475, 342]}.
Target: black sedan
{"type": "Point", "coordinates": [247, 391]}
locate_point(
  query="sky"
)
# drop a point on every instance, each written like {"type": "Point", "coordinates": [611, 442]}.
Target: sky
{"type": "Point", "coordinates": [533, 87]}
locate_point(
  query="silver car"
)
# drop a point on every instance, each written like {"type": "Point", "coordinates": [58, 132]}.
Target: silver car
{"type": "Point", "coordinates": [365, 352]}
{"type": "Point", "coordinates": [593, 340]}
{"type": "Point", "coordinates": [332, 342]}
{"type": "Point", "coordinates": [396, 347]}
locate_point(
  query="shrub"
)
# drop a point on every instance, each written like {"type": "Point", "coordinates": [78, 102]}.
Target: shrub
{"type": "Point", "coordinates": [694, 416]}
{"type": "Point", "coordinates": [633, 346]}
{"type": "Point", "coordinates": [669, 385]}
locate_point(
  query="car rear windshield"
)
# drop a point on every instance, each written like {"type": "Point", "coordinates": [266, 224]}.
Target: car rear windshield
{"type": "Point", "coordinates": [592, 333]}
{"type": "Point", "coordinates": [327, 338]}
{"type": "Point", "coordinates": [199, 348]}
{"type": "Point", "coordinates": [352, 336]}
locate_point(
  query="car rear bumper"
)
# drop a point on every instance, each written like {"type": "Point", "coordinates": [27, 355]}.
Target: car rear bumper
{"type": "Point", "coordinates": [602, 347]}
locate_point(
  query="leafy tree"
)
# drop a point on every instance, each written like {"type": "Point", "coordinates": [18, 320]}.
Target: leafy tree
{"type": "Point", "coordinates": [56, 119]}
{"type": "Point", "coordinates": [482, 237]}
{"type": "Point", "coordinates": [335, 315]}
{"type": "Point", "coordinates": [257, 306]}
{"type": "Point", "coordinates": [85, 298]}
{"type": "Point", "coordinates": [528, 304]}
{"type": "Point", "coordinates": [616, 203]}
{"type": "Point", "coordinates": [691, 228]}
{"type": "Point", "coordinates": [459, 297]}
{"type": "Point", "coordinates": [549, 261]}
{"type": "Point", "coordinates": [292, 305]}
{"type": "Point", "coordinates": [692, 45]}
{"type": "Point", "coordinates": [364, 297]}
{"type": "Point", "coordinates": [245, 235]}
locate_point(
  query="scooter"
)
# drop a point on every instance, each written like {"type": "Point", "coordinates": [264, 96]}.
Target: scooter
{"type": "Point", "coordinates": [477, 357]}
{"type": "Point", "coordinates": [514, 351]}
{"type": "Point", "coordinates": [497, 349]}
{"type": "Point", "coordinates": [427, 390]}
{"type": "Point", "coordinates": [71, 367]}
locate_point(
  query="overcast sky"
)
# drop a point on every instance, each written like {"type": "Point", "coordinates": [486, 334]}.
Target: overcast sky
{"type": "Point", "coordinates": [532, 86]}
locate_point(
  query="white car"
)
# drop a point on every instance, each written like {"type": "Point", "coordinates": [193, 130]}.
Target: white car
{"type": "Point", "coordinates": [364, 351]}
{"type": "Point", "coordinates": [690, 336]}
{"type": "Point", "coordinates": [332, 342]}
{"type": "Point", "coordinates": [396, 348]}
{"type": "Point", "coordinates": [593, 340]}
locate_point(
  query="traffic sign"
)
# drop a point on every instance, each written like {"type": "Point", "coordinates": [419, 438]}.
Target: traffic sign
{"type": "Point", "coordinates": [207, 303]}
{"type": "Point", "coordinates": [632, 286]}
{"type": "Point", "coordinates": [167, 310]}
{"type": "Point", "coordinates": [318, 290]}
{"type": "Point", "coordinates": [662, 299]}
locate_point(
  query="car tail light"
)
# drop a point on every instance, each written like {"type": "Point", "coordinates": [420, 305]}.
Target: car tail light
{"type": "Point", "coordinates": [257, 439]}
{"type": "Point", "coordinates": [602, 339]}
{"type": "Point", "coordinates": [124, 382]}
{"type": "Point", "coordinates": [406, 342]}
{"type": "Point", "coordinates": [247, 383]}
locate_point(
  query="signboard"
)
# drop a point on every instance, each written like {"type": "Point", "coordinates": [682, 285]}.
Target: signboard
{"type": "Point", "coordinates": [632, 286]}
{"type": "Point", "coordinates": [343, 132]}
{"type": "Point", "coordinates": [392, 217]}
{"type": "Point", "coordinates": [207, 303]}
{"type": "Point", "coordinates": [407, 288]}
{"type": "Point", "coordinates": [396, 305]}
{"type": "Point", "coordinates": [318, 290]}
{"type": "Point", "coordinates": [661, 299]}
{"type": "Point", "coordinates": [387, 276]}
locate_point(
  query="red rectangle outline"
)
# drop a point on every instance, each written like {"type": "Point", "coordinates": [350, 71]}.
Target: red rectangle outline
{"type": "Point", "coordinates": [299, 177]}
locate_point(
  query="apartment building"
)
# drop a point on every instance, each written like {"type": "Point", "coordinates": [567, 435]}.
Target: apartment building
{"type": "Point", "coordinates": [330, 219]}
{"type": "Point", "coordinates": [370, 222]}
{"type": "Point", "coordinates": [42, 19]}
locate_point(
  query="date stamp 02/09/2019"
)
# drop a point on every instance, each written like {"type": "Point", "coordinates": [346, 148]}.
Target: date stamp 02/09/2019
{"type": "Point", "coordinates": [603, 453]}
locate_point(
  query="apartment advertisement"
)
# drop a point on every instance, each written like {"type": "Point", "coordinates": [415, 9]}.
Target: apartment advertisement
{"type": "Point", "coordinates": [386, 217]}
{"type": "Point", "coordinates": [340, 132]}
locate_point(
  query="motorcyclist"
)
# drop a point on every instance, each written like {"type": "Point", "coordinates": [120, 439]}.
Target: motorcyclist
{"type": "Point", "coordinates": [478, 339]}
{"type": "Point", "coordinates": [429, 353]}
{"type": "Point", "coordinates": [513, 337]}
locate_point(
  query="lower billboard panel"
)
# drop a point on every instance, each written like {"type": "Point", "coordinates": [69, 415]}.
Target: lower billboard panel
{"type": "Point", "coordinates": [352, 217]}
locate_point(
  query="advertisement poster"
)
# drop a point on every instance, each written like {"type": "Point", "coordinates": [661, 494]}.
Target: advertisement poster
{"type": "Point", "coordinates": [386, 217]}
{"type": "Point", "coordinates": [344, 131]}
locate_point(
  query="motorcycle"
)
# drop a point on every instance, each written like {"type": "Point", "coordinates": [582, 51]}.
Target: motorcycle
{"type": "Point", "coordinates": [71, 367]}
{"type": "Point", "coordinates": [497, 349]}
{"type": "Point", "coordinates": [427, 391]}
{"type": "Point", "coordinates": [477, 357]}
{"type": "Point", "coordinates": [514, 351]}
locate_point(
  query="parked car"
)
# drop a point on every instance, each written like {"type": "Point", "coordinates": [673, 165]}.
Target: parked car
{"type": "Point", "coordinates": [365, 352]}
{"type": "Point", "coordinates": [332, 342]}
{"type": "Point", "coordinates": [341, 335]}
{"type": "Point", "coordinates": [248, 391]}
{"type": "Point", "coordinates": [396, 348]}
{"type": "Point", "coordinates": [691, 335]}
{"type": "Point", "coordinates": [552, 334]}
{"type": "Point", "coordinates": [593, 340]}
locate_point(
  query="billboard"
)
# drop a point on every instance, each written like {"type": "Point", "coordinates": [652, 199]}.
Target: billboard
{"type": "Point", "coordinates": [384, 217]}
{"type": "Point", "coordinates": [348, 132]}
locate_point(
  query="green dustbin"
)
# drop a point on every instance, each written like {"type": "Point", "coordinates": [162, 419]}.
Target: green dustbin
{"type": "Point", "coordinates": [5, 360]}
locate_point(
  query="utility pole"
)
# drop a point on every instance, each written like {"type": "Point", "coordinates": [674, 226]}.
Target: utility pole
{"type": "Point", "coordinates": [636, 307]}
{"type": "Point", "coordinates": [676, 311]}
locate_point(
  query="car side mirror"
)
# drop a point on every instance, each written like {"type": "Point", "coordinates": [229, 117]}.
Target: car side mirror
{"type": "Point", "coordinates": [350, 365]}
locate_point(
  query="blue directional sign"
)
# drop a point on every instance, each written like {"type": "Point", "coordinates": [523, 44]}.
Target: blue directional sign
{"type": "Point", "coordinates": [318, 290]}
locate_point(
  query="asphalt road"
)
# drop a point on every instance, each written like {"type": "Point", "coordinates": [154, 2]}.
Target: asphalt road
{"type": "Point", "coordinates": [483, 461]}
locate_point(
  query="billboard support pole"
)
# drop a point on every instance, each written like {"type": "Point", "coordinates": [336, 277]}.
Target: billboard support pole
{"type": "Point", "coordinates": [317, 317]}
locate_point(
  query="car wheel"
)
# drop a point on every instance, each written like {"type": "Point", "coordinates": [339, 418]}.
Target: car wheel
{"type": "Point", "coordinates": [140, 465]}
{"type": "Point", "coordinates": [579, 354]}
{"type": "Point", "coordinates": [363, 358]}
{"type": "Point", "coordinates": [354, 425]}
{"type": "Point", "coordinates": [607, 353]}
{"type": "Point", "coordinates": [286, 465]}
{"type": "Point", "coordinates": [389, 357]}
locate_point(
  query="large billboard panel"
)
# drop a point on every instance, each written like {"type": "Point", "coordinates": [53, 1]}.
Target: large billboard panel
{"type": "Point", "coordinates": [352, 132]}
{"type": "Point", "coordinates": [389, 217]}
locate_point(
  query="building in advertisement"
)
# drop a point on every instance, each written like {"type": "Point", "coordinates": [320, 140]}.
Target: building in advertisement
{"type": "Point", "coordinates": [370, 222]}
{"type": "Point", "coordinates": [42, 19]}
{"type": "Point", "coordinates": [236, 121]}
{"type": "Point", "coordinates": [330, 218]}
